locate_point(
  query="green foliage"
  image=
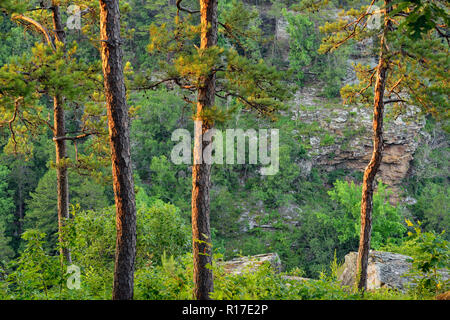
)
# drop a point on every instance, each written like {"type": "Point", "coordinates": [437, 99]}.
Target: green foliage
{"type": "Point", "coordinates": [304, 59]}
{"type": "Point", "coordinates": [303, 43]}
{"type": "Point", "coordinates": [433, 254]}
{"type": "Point", "coordinates": [7, 209]}
{"type": "Point", "coordinates": [424, 16]}
{"type": "Point", "coordinates": [430, 254]}
{"type": "Point", "coordinates": [428, 184]}
{"type": "Point", "coordinates": [346, 218]}
{"type": "Point", "coordinates": [415, 72]}
{"type": "Point", "coordinates": [161, 230]}
{"type": "Point", "coordinates": [158, 114]}
{"type": "Point", "coordinates": [432, 207]}
{"type": "Point", "coordinates": [170, 280]}
{"type": "Point", "coordinates": [293, 213]}
{"type": "Point", "coordinates": [38, 275]}
{"type": "Point", "coordinates": [12, 46]}
{"type": "Point", "coordinates": [42, 206]}
{"type": "Point", "coordinates": [255, 84]}
{"type": "Point", "coordinates": [35, 272]}
{"type": "Point", "coordinates": [240, 28]}
{"type": "Point", "coordinates": [173, 280]}
{"type": "Point", "coordinates": [12, 6]}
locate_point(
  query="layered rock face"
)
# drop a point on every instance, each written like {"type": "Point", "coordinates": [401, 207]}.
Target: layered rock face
{"type": "Point", "coordinates": [349, 129]}
{"type": "Point", "coordinates": [385, 270]}
{"type": "Point", "coordinates": [344, 137]}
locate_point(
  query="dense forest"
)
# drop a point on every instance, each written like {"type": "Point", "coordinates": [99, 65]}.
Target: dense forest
{"type": "Point", "coordinates": [350, 97]}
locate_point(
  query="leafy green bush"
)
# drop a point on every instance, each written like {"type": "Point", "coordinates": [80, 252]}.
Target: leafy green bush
{"type": "Point", "coordinates": [35, 272]}
{"type": "Point", "coordinates": [387, 219]}
{"type": "Point", "coordinates": [161, 230]}
{"type": "Point", "coordinates": [432, 207]}
{"type": "Point", "coordinates": [431, 253]}
{"type": "Point", "coordinates": [170, 280]}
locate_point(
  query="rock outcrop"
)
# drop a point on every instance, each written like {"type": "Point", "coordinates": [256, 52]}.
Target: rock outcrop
{"type": "Point", "coordinates": [444, 296]}
{"type": "Point", "coordinates": [252, 263]}
{"type": "Point", "coordinates": [341, 138]}
{"type": "Point", "coordinates": [385, 270]}
{"type": "Point", "coordinates": [345, 138]}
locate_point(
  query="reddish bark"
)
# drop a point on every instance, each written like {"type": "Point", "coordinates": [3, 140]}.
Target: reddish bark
{"type": "Point", "coordinates": [375, 161]}
{"type": "Point", "coordinates": [201, 173]}
{"type": "Point", "coordinates": [123, 183]}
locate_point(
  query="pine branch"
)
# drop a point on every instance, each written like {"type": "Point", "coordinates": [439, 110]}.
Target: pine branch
{"type": "Point", "coordinates": [81, 136]}
{"type": "Point", "coordinates": [393, 101]}
{"type": "Point", "coordinates": [180, 8]}
{"type": "Point", "coordinates": [38, 26]}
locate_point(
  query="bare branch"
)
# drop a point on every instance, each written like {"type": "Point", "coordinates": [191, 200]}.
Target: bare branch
{"type": "Point", "coordinates": [38, 26]}
{"type": "Point", "coordinates": [394, 101]}
{"type": "Point", "coordinates": [180, 8]}
{"type": "Point", "coordinates": [81, 136]}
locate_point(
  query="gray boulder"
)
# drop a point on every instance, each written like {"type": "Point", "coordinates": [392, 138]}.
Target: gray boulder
{"type": "Point", "coordinates": [385, 270]}
{"type": "Point", "coordinates": [252, 263]}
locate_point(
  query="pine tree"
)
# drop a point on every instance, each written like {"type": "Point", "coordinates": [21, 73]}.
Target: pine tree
{"type": "Point", "coordinates": [191, 58]}
{"type": "Point", "coordinates": [123, 183]}
{"type": "Point", "coordinates": [406, 75]}
{"type": "Point", "coordinates": [52, 70]}
{"type": "Point", "coordinates": [201, 172]}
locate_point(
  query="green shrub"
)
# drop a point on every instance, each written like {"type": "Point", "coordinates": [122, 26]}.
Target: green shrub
{"type": "Point", "coordinates": [35, 272]}
{"type": "Point", "coordinates": [433, 254]}
{"type": "Point", "coordinates": [346, 217]}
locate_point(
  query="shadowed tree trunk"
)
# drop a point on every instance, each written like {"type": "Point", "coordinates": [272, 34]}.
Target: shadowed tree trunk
{"type": "Point", "coordinates": [117, 112]}
{"type": "Point", "coordinates": [62, 177]}
{"type": "Point", "coordinates": [201, 172]}
{"type": "Point", "coordinates": [374, 164]}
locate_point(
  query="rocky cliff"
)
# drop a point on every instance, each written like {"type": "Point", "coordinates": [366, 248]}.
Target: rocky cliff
{"type": "Point", "coordinates": [342, 135]}
{"type": "Point", "coordinates": [344, 138]}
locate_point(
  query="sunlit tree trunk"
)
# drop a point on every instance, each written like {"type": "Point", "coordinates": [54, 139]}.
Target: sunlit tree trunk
{"type": "Point", "coordinates": [201, 172]}
{"type": "Point", "coordinates": [375, 161]}
{"type": "Point", "coordinates": [117, 112]}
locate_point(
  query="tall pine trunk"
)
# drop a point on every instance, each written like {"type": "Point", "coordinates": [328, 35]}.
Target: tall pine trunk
{"type": "Point", "coordinates": [375, 161]}
{"type": "Point", "coordinates": [117, 112]}
{"type": "Point", "coordinates": [201, 172]}
{"type": "Point", "coordinates": [60, 146]}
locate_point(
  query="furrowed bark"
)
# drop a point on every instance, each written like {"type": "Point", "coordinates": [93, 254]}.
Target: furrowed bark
{"type": "Point", "coordinates": [375, 161]}
{"type": "Point", "coordinates": [123, 184]}
{"type": "Point", "coordinates": [201, 172]}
